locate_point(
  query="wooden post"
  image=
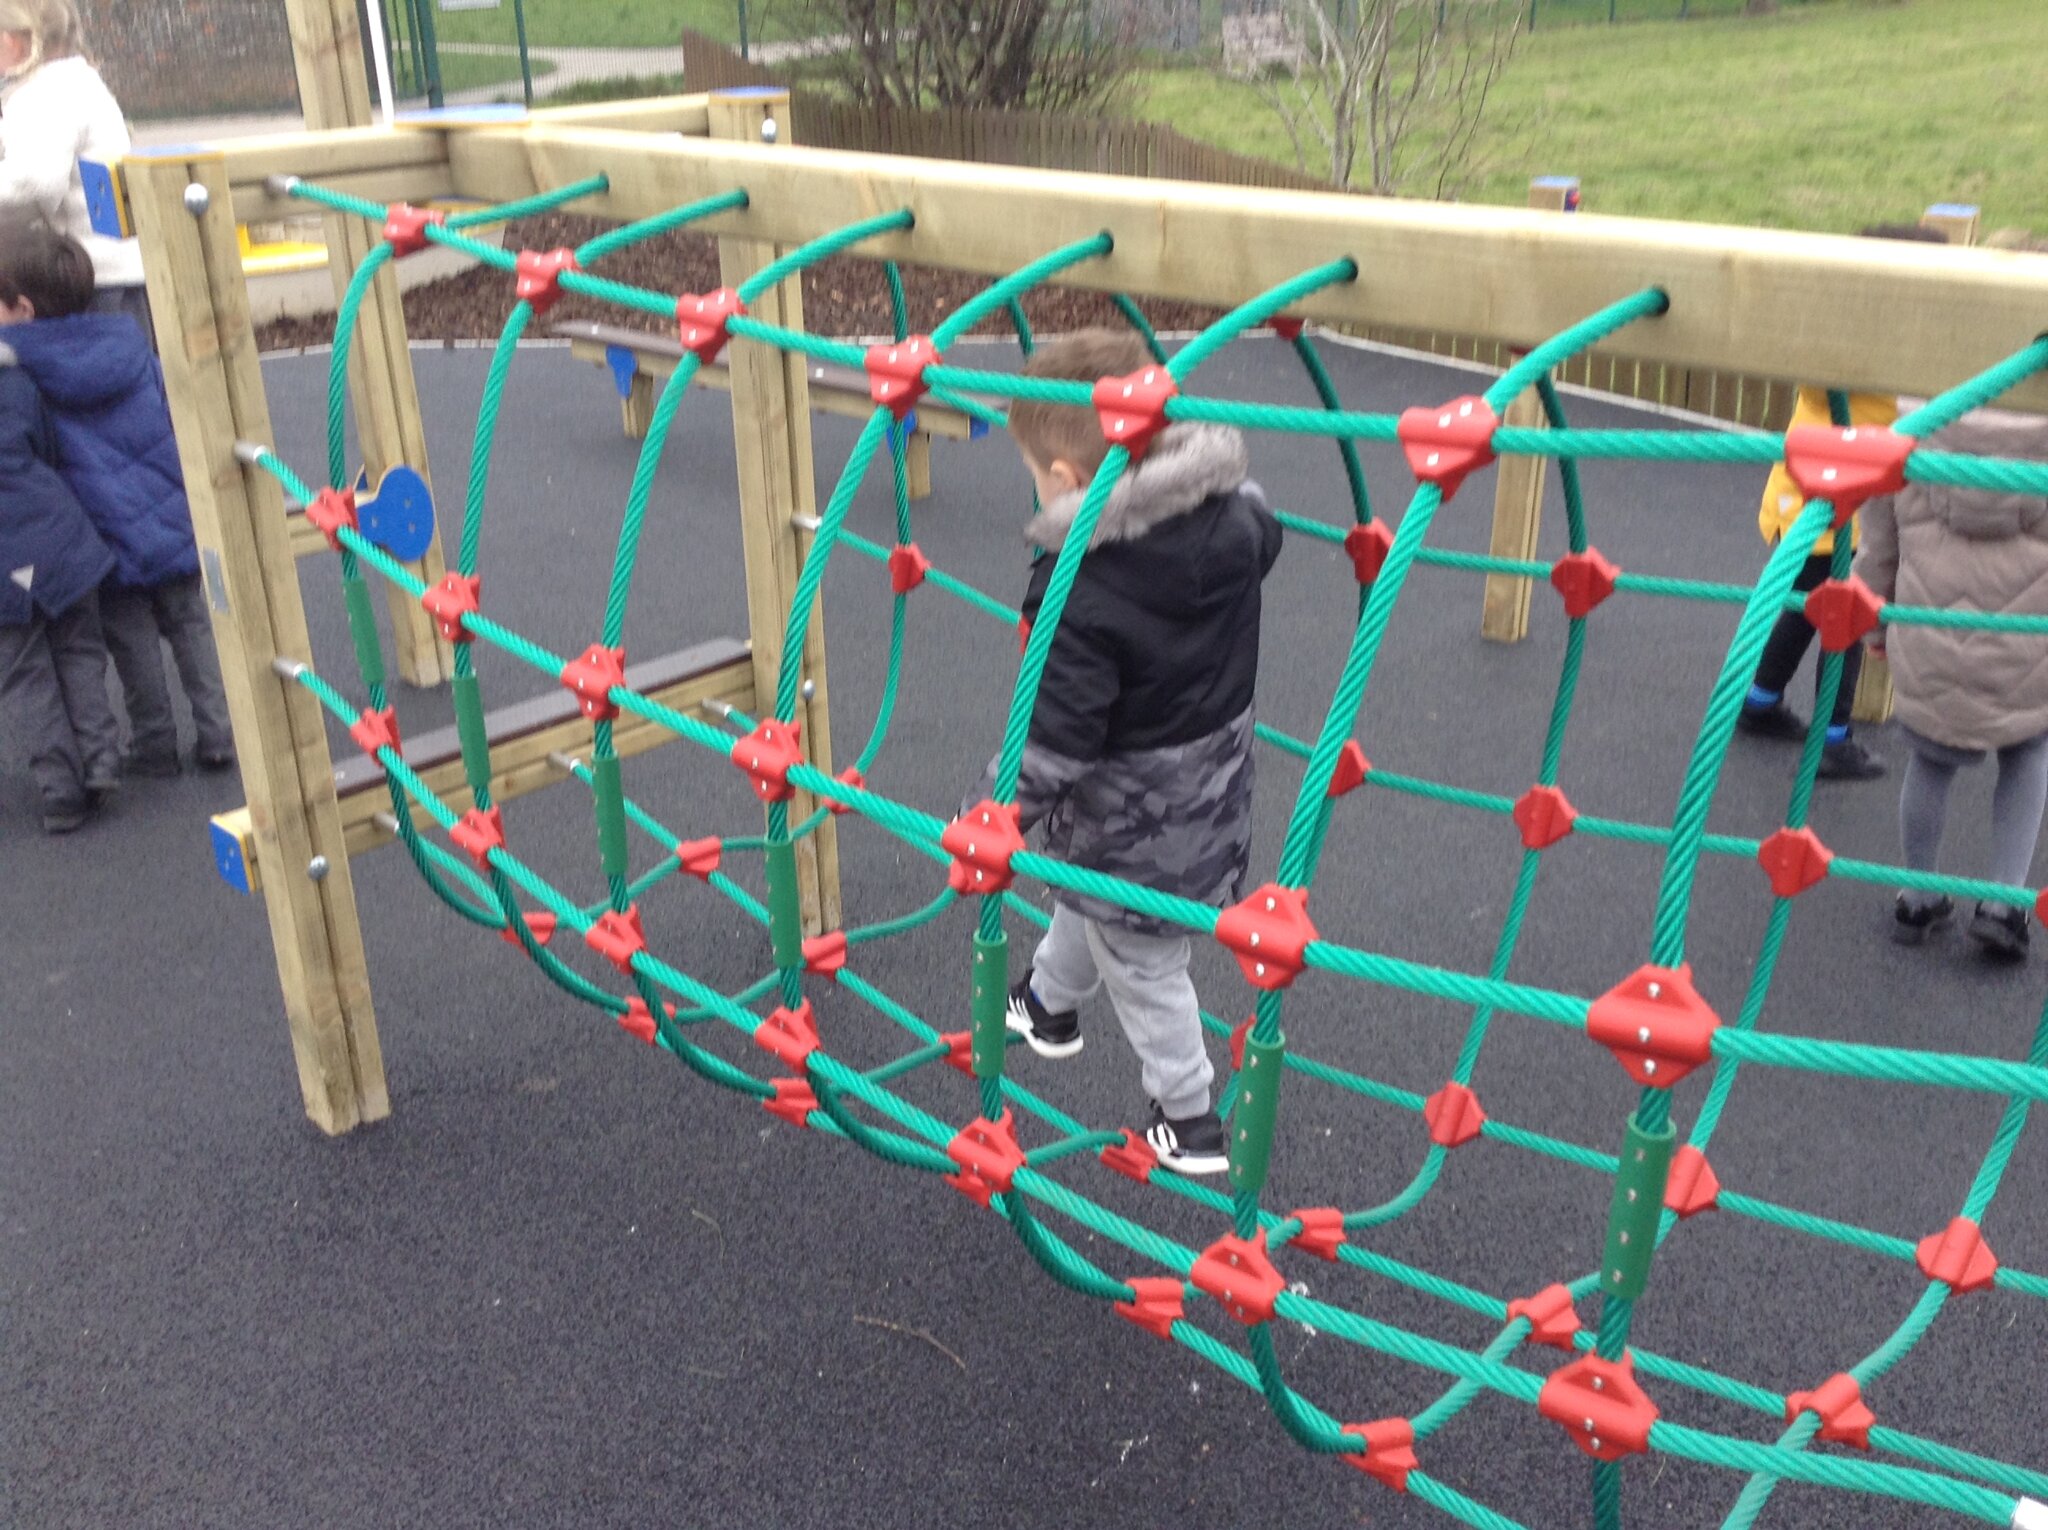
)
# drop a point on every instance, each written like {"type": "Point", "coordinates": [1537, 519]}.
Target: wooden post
{"type": "Point", "coordinates": [1518, 482]}
{"type": "Point", "coordinates": [1958, 223]}
{"type": "Point", "coordinates": [335, 93]}
{"type": "Point", "coordinates": [771, 426]}
{"type": "Point", "coordinates": [215, 389]}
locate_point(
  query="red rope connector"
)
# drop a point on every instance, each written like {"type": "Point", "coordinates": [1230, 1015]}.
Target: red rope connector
{"type": "Point", "coordinates": [540, 924]}
{"type": "Point", "coordinates": [638, 1020]}
{"type": "Point", "coordinates": [790, 1034]}
{"type": "Point", "coordinates": [1240, 1276]}
{"type": "Point", "coordinates": [850, 777]}
{"type": "Point", "coordinates": [1238, 1033]}
{"type": "Point", "coordinates": [1544, 815]}
{"type": "Point", "coordinates": [988, 1156]}
{"type": "Point", "coordinates": [701, 319]}
{"type": "Point", "coordinates": [1847, 465]}
{"type": "Point", "coordinates": [1286, 325]}
{"type": "Point", "coordinates": [1553, 1320]}
{"type": "Point", "coordinates": [1454, 1116]}
{"type": "Point", "coordinates": [451, 602]}
{"type": "Point", "coordinates": [1322, 1231]}
{"type": "Point", "coordinates": [1158, 1302]}
{"type": "Point", "coordinates": [1845, 1419]}
{"type": "Point", "coordinates": [1389, 1454]}
{"type": "Point", "coordinates": [1958, 1257]}
{"type": "Point", "coordinates": [1352, 769]}
{"type": "Point", "coordinates": [405, 227]}
{"type": "Point", "coordinates": [1794, 859]}
{"type": "Point", "coordinates": [375, 730]}
{"type": "Point", "coordinates": [1269, 934]}
{"type": "Point", "coordinates": [1133, 408]}
{"type": "Point", "coordinates": [1584, 579]}
{"type": "Point", "coordinates": [1843, 611]}
{"type": "Point", "coordinates": [1446, 443]}
{"type": "Point", "coordinates": [329, 511]}
{"type": "Point", "coordinates": [896, 372]}
{"type": "Point", "coordinates": [540, 276]}
{"type": "Point", "coordinates": [767, 754]}
{"type": "Point", "coordinates": [907, 568]}
{"type": "Point", "coordinates": [1656, 1025]}
{"type": "Point", "coordinates": [959, 1051]}
{"type": "Point", "coordinates": [700, 857]}
{"type": "Point", "coordinates": [1691, 1185]}
{"type": "Point", "coordinates": [478, 833]}
{"type": "Point", "coordinates": [1133, 1158]}
{"type": "Point", "coordinates": [1600, 1406]}
{"type": "Point", "coordinates": [1367, 547]}
{"type": "Point", "coordinates": [825, 955]}
{"type": "Point", "coordinates": [593, 676]}
{"type": "Point", "coordinates": [793, 1101]}
{"type": "Point", "coordinates": [981, 842]}
{"type": "Point", "coordinates": [617, 937]}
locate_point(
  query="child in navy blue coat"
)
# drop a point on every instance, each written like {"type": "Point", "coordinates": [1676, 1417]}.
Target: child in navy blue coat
{"type": "Point", "coordinates": [104, 392]}
{"type": "Point", "coordinates": [53, 663]}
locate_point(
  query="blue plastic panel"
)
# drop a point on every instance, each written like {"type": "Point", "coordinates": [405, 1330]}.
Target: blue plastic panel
{"type": "Point", "coordinates": [400, 518]}
{"type": "Point", "coordinates": [227, 859]}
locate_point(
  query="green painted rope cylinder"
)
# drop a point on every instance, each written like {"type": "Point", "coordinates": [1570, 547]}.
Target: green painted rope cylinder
{"type": "Point", "coordinates": [991, 999]}
{"type": "Point", "coordinates": [362, 630]}
{"type": "Point", "coordinates": [471, 729]}
{"type": "Point", "coordinates": [610, 792]}
{"type": "Point", "coordinates": [1258, 1106]}
{"type": "Point", "coordinates": [785, 912]}
{"type": "Point", "coordinates": [1638, 1206]}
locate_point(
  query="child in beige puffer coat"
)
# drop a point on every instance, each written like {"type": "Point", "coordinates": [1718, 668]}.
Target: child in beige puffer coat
{"type": "Point", "coordinates": [1963, 693]}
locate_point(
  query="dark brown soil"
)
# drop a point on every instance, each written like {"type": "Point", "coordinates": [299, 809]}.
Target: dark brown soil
{"type": "Point", "coordinates": [843, 296]}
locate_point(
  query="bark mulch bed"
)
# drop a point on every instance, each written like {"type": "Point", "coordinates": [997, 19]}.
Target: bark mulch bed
{"type": "Point", "coordinates": [842, 297]}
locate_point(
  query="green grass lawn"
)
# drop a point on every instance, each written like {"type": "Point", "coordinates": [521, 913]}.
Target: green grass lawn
{"type": "Point", "coordinates": [617, 23]}
{"type": "Point", "coordinates": [1825, 116]}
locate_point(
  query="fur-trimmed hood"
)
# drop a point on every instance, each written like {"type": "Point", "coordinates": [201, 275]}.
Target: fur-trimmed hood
{"type": "Point", "coordinates": [1186, 465]}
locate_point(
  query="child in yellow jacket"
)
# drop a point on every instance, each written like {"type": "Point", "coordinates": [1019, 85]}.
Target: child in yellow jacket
{"type": "Point", "coordinates": [1765, 713]}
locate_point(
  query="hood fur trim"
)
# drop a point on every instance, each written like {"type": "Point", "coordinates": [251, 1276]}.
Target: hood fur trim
{"type": "Point", "coordinates": [1186, 465]}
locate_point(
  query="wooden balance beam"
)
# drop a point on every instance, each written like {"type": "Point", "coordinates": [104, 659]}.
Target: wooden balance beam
{"type": "Point", "coordinates": [523, 736]}
{"type": "Point", "coordinates": [636, 359]}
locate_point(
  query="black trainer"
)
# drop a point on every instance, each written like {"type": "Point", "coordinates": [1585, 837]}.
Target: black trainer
{"type": "Point", "coordinates": [1046, 1033]}
{"type": "Point", "coordinates": [1194, 1145]}
{"type": "Point", "coordinates": [1848, 760]}
{"type": "Point", "coordinates": [2001, 930]}
{"type": "Point", "coordinates": [1912, 924]}
{"type": "Point", "coordinates": [1774, 721]}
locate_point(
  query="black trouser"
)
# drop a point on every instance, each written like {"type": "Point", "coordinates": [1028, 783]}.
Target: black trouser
{"type": "Point", "coordinates": [53, 701]}
{"type": "Point", "coordinates": [1789, 639]}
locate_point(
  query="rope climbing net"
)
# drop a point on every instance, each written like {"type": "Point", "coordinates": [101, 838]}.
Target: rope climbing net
{"type": "Point", "coordinates": [1610, 1398]}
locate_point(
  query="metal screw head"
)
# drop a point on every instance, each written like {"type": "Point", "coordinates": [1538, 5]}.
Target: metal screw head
{"type": "Point", "coordinates": [808, 690]}
{"type": "Point", "coordinates": [197, 199]}
{"type": "Point", "coordinates": [769, 130]}
{"type": "Point", "coordinates": [316, 868]}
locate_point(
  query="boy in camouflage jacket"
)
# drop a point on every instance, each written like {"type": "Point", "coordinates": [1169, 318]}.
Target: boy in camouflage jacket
{"type": "Point", "coordinates": [1139, 757]}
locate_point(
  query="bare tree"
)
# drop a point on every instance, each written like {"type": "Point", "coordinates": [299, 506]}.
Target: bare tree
{"type": "Point", "coordinates": [1389, 94]}
{"type": "Point", "coordinates": [1056, 55]}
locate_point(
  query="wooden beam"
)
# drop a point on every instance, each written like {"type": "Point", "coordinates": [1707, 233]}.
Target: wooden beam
{"type": "Point", "coordinates": [1872, 315]}
{"type": "Point", "coordinates": [519, 764]}
{"type": "Point", "coordinates": [214, 385]}
{"type": "Point", "coordinates": [335, 92]}
{"type": "Point", "coordinates": [771, 425]}
{"type": "Point", "coordinates": [1518, 483]}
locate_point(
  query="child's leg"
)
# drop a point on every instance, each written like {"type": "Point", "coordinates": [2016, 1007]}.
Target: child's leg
{"type": "Point", "coordinates": [181, 613]}
{"type": "Point", "coordinates": [32, 704]}
{"type": "Point", "coordinates": [1923, 809]}
{"type": "Point", "coordinates": [80, 654]}
{"type": "Point", "coordinates": [2017, 802]}
{"type": "Point", "coordinates": [1788, 641]}
{"type": "Point", "coordinates": [1147, 977]}
{"type": "Point", "coordinates": [128, 618]}
{"type": "Point", "coordinates": [1063, 971]}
